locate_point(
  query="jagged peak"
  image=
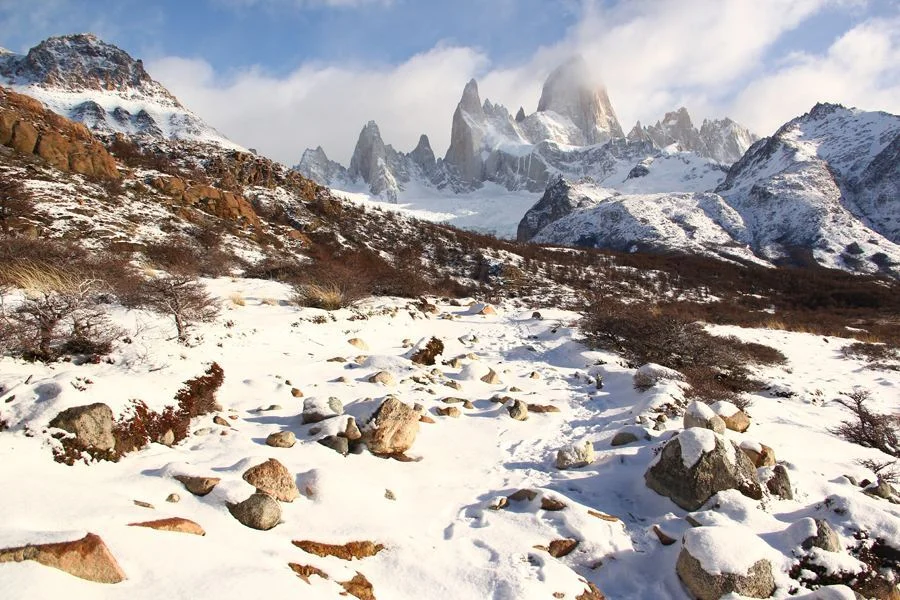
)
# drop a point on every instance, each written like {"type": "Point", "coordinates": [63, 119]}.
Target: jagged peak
{"type": "Point", "coordinates": [520, 116]}
{"type": "Point", "coordinates": [471, 100]}
{"type": "Point", "coordinates": [424, 144]}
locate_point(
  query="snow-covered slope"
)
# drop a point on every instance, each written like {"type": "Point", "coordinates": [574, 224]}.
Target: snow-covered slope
{"type": "Point", "coordinates": [87, 80]}
{"type": "Point", "coordinates": [822, 190]}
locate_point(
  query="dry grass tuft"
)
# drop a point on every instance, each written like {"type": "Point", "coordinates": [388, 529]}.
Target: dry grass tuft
{"type": "Point", "coordinates": [324, 296]}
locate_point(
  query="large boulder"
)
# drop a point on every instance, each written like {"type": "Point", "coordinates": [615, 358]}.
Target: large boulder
{"type": "Point", "coordinates": [392, 428]}
{"type": "Point", "coordinates": [92, 425]}
{"type": "Point", "coordinates": [87, 558]}
{"type": "Point", "coordinates": [273, 478]}
{"type": "Point", "coordinates": [259, 511]}
{"type": "Point", "coordinates": [699, 463]}
{"type": "Point", "coordinates": [701, 415]}
{"type": "Point", "coordinates": [716, 561]}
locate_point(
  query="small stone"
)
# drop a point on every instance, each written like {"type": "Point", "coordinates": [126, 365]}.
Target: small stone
{"type": "Point", "coordinates": [203, 431]}
{"type": "Point", "coordinates": [468, 404]}
{"type": "Point", "coordinates": [296, 393]}
{"type": "Point", "coordinates": [449, 411]}
{"type": "Point", "coordinates": [426, 419]}
{"type": "Point", "coordinates": [337, 359]}
{"type": "Point", "coordinates": [543, 408]}
{"type": "Point", "coordinates": [453, 384]}
{"type": "Point", "coordinates": [358, 343]}
{"type": "Point", "coordinates": [498, 502]}
{"type": "Point", "coordinates": [575, 456]}
{"type": "Point", "coordinates": [389, 495]}
{"type": "Point", "coordinates": [535, 375]}
{"type": "Point", "coordinates": [453, 400]}
{"type": "Point", "coordinates": [523, 495]}
{"type": "Point", "coordinates": [536, 316]}
{"type": "Point", "coordinates": [316, 410]}
{"type": "Point", "coordinates": [339, 444]}
{"type": "Point", "coordinates": [560, 548]}
{"type": "Point", "coordinates": [384, 378]}
{"type": "Point", "coordinates": [664, 538]}
{"type": "Point", "coordinates": [315, 430]}
{"type": "Point", "coordinates": [759, 454]}
{"type": "Point", "coordinates": [491, 378]}
{"type": "Point", "coordinates": [281, 439]}
{"type": "Point", "coordinates": [515, 389]}
{"type": "Point", "coordinates": [552, 504]}
{"type": "Point", "coordinates": [500, 399]}
{"type": "Point", "coordinates": [168, 438]}
{"type": "Point", "coordinates": [259, 511]}
{"type": "Point", "coordinates": [780, 484]}
{"type": "Point", "coordinates": [351, 431]}
{"type": "Point", "coordinates": [199, 486]}
{"type": "Point", "coordinates": [143, 504]}
{"type": "Point", "coordinates": [623, 438]}
{"type": "Point", "coordinates": [173, 497]}
{"type": "Point", "coordinates": [220, 421]}
{"type": "Point", "coordinates": [518, 410]}
{"type": "Point", "coordinates": [826, 538]}
{"type": "Point", "coordinates": [407, 343]}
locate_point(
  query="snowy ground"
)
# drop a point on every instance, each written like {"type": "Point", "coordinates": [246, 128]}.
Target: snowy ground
{"type": "Point", "coordinates": [491, 209]}
{"type": "Point", "coordinates": [442, 540]}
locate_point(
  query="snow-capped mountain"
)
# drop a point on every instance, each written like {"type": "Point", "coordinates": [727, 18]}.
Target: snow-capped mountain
{"type": "Point", "coordinates": [721, 140]}
{"type": "Point", "coordinates": [95, 83]}
{"type": "Point", "coordinates": [574, 133]}
{"type": "Point", "coordinates": [821, 190]}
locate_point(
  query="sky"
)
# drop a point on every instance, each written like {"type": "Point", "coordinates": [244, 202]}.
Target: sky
{"type": "Point", "coordinates": [284, 75]}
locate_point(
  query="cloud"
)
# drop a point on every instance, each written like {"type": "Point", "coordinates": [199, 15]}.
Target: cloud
{"type": "Point", "coordinates": [326, 105]}
{"type": "Point", "coordinates": [716, 58]}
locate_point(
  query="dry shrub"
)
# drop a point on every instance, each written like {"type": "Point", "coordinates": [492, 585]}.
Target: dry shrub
{"type": "Point", "coordinates": [873, 353]}
{"type": "Point", "coordinates": [869, 429]}
{"type": "Point", "coordinates": [715, 366]}
{"type": "Point", "coordinates": [180, 297]}
{"type": "Point", "coordinates": [15, 202]}
{"type": "Point", "coordinates": [237, 299]}
{"type": "Point", "coordinates": [326, 297]}
{"type": "Point", "coordinates": [59, 313]}
{"type": "Point", "coordinates": [426, 355]}
{"type": "Point", "coordinates": [198, 395]}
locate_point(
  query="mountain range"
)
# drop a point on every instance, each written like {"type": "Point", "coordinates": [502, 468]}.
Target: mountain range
{"type": "Point", "coordinates": [822, 190]}
{"type": "Point", "coordinates": [574, 133]}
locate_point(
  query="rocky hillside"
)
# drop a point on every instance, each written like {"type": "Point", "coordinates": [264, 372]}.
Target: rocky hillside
{"type": "Point", "coordinates": [87, 80]}
{"type": "Point", "coordinates": [822, 190]}
{"type": "Point", "coordinates": [574, 133]}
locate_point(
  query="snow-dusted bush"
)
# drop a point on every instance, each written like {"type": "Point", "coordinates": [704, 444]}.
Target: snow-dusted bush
{"type": "Point", "coordinates": [180, 297]}
{"type": "Point", "coordinates": [869, 429]}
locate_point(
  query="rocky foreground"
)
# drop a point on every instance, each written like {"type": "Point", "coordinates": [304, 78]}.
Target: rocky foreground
{"type": "Point", "coordinates": [431, 449]}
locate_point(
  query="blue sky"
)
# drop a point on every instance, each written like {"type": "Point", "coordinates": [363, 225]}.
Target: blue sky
{"type": "Point", "coordinates": [281, 75]}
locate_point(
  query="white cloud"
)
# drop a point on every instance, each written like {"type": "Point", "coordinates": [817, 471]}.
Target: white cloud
{"type": "Point", "coordinates": [715, 57]}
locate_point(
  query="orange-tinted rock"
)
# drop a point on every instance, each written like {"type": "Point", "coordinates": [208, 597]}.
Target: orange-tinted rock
{"type": "Point", "coordinates": [87, 558]}
{"type": "Point", "coordinates": [176, 524]}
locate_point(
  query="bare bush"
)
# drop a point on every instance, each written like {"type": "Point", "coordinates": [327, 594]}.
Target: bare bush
{"type": "Point", "coordinates": [884, 470]}
{"type": "Point", "coordinates": [180, 297]}
{"type": "Point", "coordinates": [57, 314]}
{"type": "Point", "coordinates": [869, 429]}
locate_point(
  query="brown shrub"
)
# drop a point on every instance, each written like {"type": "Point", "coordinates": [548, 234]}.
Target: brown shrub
{"type": "Point", "coordinates": [869, 429]}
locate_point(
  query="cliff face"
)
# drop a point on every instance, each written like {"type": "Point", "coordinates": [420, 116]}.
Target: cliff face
{"type": "Point", "coordinates": [27, 127]}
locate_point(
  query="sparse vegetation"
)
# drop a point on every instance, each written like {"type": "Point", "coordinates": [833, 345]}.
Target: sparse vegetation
{"type": "Point", "coordinates": [180, 297]}
{"type": "Point", "coordinates": [15, 202]}
{"type": "Point", "coordinates": [869, 429]}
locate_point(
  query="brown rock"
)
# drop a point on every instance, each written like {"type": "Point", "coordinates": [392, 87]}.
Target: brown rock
{"type": "Point", "coordinates": [304, 572]}
{"type": "Point", "coordinates": [348, 551]}
{"type": "Point", "coordinates": [273, 478]}
{"type": "Point", "coordinates": [260, 511]}
{"type": "Point", "coordinates": [172, 524]}
{"type": "Point", "coordinates": [281, 439]}
{"type": "Point", "coordinates": [87, 558]}
{"type": "Point", "coordinates": [384, 378]}
{"type": "Point", "coordinates": [491, 378]}
{"type": "Point", "coordinates": [351, 431]}
{"type": "Point", "coordinates": [358, 343]}
{"type": "Point", "coordinates": [449, 411]}
{"type": "Point", "coordinates": [392, 429]}
{"type": "Point", "coordinates": [220, 421]}
{"type": "Point", "coordinates": [560, 548]}
{"type": "Point", "coordinates": [552, 504]}
{"type": "Point", "coordinates": [664, 538]}
{"type": "Point", "coordinates": [296, 393]}
{"type": "Point", "coordinates": [359, 587]}
{"type": "Point", "coordinates": [591, 593]}
{"type": "Point", "coordinates": [543, 408]}
{"type": "Point", "coordinates": [739, 421]}
{"type": "Point", "coordinates": [426, 419]}
{"type": "Point", "coordinates": [199, 486]}
{"type": "Point", "coordinates": [764, 458]}
{"type": "Point", "coordinates": [522, 495]}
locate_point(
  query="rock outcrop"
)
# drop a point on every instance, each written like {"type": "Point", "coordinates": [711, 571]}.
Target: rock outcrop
{"type": "Point", "coordinates": [710, 577]}
{"type": "Point", "coordinates": [92, 425]}
{"type": "Point", "coordinates": [27, 127]}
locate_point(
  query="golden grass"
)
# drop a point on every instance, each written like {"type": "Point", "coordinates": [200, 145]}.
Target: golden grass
{"type": "Point", "coordinates": [237, 299]}
{"type": "Point", "coordinates": [36, 279]}
{"type": "Point", "coordinates": [327, 297]}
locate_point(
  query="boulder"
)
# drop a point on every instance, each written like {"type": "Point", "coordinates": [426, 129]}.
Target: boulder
{"type": "Point", "coordinates": [281, 439]}
{"type": "Point", "coordinates": [449, 411]}
{"type": "Point", "coordinates": [392, 428]}
{"type": "Point", "coordinates": [623, 438]}
{"type": "Point", "coordinates": [491, 378]}
{"type": "Point", "coordinates": [697, 464]}
{"type": "Point", "coordinates": [575, 456]}
{"type": "Point", "coordinates": [273, 478]}
{"type": "Point", "coordinates": [735, 419]}
{"type": "Point", "coordinates": [351, 431]}
{"type": "Point", "coordinates": [518, 410]}
{"type": "Point", "coordinates": [259, 511]}
{"type": "Point", "coordinates": [710, 568]}
{"type": "Point", "coordinates": [701, 415]}
{"type": "Point", "coordinates": [92, 425]}
{"type": "Point", "coordinates": [825, 538]}
{"type": "Point", "coordinates": [87, 558]}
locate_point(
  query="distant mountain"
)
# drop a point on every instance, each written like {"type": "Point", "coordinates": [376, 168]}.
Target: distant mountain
{"type": "Point", "coordinates": [824, 189]}
{"type": "Point", "coordinates": [87, 80]}
{"type": "Point", "coordinates": [574, 133]}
